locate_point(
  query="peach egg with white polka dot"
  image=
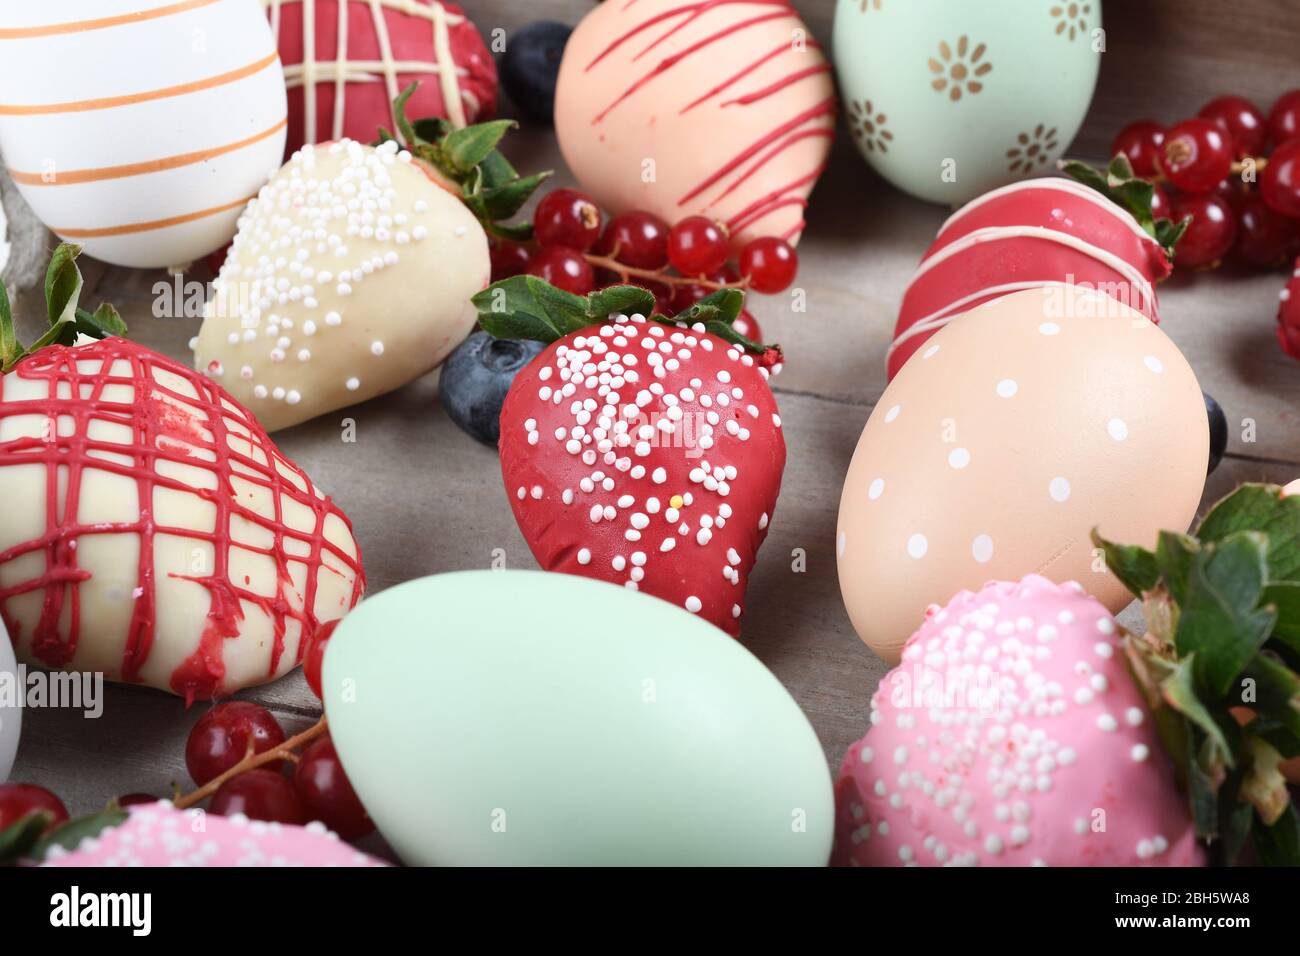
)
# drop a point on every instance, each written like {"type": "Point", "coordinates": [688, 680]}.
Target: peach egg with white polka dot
{"type": "Point", "coordinates": [1019, 428]}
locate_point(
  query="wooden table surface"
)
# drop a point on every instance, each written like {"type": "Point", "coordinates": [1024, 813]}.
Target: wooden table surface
{"type": "Point", "coordinates": [424, 498]}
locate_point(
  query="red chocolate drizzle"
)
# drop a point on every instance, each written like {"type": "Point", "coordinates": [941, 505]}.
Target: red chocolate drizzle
{"type": "Point", "coordinates": [168, 427]}
{"type": "Point", "coordinates": [780, 138]}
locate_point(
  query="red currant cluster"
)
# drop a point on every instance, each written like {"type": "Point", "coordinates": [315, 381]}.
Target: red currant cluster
{"type": "Point", "coordinates": [680, 264]}
{"type": "Point", "coordinates": [1217, 168]}
{"type": "Point", "coordinates": [239, 756]}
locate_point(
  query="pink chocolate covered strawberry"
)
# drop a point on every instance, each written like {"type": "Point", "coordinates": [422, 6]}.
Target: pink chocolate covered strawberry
{"type": "Point", "coordinates": [1012, 735]}
{"type": "Point", "coordinates": [646, 452]}
{"type": "Point", "coordinates": [151, 530]}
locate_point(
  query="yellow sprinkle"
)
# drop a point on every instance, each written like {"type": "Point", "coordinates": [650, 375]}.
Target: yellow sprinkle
{"type": "Point", "coordinates": [675, 502]}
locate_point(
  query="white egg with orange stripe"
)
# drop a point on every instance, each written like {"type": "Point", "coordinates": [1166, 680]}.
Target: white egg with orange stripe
{"type": "Point", "coordinates": [140, 128]}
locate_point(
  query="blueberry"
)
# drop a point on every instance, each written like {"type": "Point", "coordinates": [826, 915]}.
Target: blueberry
{"type": "Point", "coordinates": [1218, 431]}
{"type": "Point", "coordinates": [529, 66]}
{"type": "Point", "coordinates": [475, 379]}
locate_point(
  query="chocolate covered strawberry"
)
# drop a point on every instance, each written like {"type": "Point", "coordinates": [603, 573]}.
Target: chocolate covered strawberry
{"type": "Point", "coordinates": [151, 530]}
{"type": "Point", "coordinates": [645, 452]}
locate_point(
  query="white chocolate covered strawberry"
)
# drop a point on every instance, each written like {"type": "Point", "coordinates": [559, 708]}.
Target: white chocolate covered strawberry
{"type": "Point", "coordinates": [151, 530]}
{"type": "Point", "coordinates": [350, 276]}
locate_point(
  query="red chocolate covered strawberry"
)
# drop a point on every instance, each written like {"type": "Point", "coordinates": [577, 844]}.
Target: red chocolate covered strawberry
{"type": "Point", "coordinates": [150, 529]}
{"type": "Point", "coordinates": [1040, 233]}
{"type": "Point", "coordinates": [645, 452]}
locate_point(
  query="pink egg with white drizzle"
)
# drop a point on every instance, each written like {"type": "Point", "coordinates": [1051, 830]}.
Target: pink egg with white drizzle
{"type": "Point", "coordinates": [1012, 735]}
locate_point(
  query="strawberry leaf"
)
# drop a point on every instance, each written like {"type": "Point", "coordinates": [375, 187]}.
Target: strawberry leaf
{"type": "Point", "coordinates": [1175, 555]}
{"type": "Point", "coordinates": [17, 839]}
{"type": "Point", "coordinates": [1260, 508]}
{"type": "Point", "coordinates": [721, 305]}
{"type": "Point", "coordinates": [1285, 598]}
{"type": "Point", "coordinates": [514, 232]}
{"type": "Point", "coordinates": [66, 321]}
{"type": "Point", "coordinates": [469, 158]}
{"type": "Point", "coordinates": [493, 203]}
{"type": "Point", "coordinates": [1179, 691]}
{"type": "Point", "coordinates": [1234, 829]}
{"type": "Point", "coordinates": [1131, 193]}
{"type": "Point", "coordinates": [1279, 844]}
{"type": "Point", "coordinates": [1220, 625]}
{"type": "Point", "coordinates": [1276, 692]}
{"type": "Point", "coordinates": [10, 350]}
{"type": "Point", "coordinates": [69, 835]}
{"type": "Point", "coordinates": [63, 284]}
{"type": "Point", "coordinates": [404, 127]}
{"type": "Point", "coordinates": [102, 323]}
{"type": "Point", "coordinates": [1136, 568]}
{"type": "Point", "coordinates": [1202, 790]}
{"type": "Point", "coordinates": [1230, 596]}
{"type": "Point", "coordinates": [620, 300]}
{"type": "Point", "coordinates": [526, 307]}
{"type": "Point", "coordinates": [466, 148]}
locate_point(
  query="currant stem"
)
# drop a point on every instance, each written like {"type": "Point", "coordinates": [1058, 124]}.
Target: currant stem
{"type": "Point", "coordinates": [626, 272]}
{"type": "Point", "coordinates": [285, 751]}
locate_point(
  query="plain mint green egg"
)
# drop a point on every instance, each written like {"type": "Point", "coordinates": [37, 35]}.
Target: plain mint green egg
{"type": "Point", "coordinates": [948, 99]}
{"type": "Point", "coordinates": [527, 718]}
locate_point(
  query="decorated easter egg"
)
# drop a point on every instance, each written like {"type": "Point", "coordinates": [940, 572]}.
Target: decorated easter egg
{"type": "Point", "coordinates": [345, 61]}
{"type": "Point", "coordinates": [152, 532]}
{"type": "Point", "coordinates": [548, 719]}
{"type": "Point", "coordinates": [1020, 427]}
{"type": "Point", "coordinates": [140, 129]}
{"type": "Point", "coordinates": [157, 834]}
{"type": "Point", "coordinates": [720, 109]}
{"type": "Point", "coordinates": [11, 704]}
{"type": "Point", "coordinates": [1042, 233]}
{"type": "Point", "coordinates": [1012, 735]}
{"type": "Point", "coordinates": [947, 99]}
{"type": "Point", "coordinates": [320, 304]}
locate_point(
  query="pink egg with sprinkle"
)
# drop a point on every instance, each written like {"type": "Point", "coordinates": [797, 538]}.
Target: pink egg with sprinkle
{"type": "Point", "coordinates": [1012, 735]}
{"type": "Point", "coordinates": [159, 835]}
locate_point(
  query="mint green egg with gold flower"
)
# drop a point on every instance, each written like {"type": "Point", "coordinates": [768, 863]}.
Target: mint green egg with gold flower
{"type": "Point", "coordinates": [948, 99]}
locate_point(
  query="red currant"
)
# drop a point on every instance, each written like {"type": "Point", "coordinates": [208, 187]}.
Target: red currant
{"type": "Point", "coordinates": [1159, 202]}
{"type": "Point", "coordinates": [1210, 234]}
{"type": "Point", "coordinates": [223, 735]}
{"type": "Point", "coordinates": [1264, 238]}
{"type": "Point", "coordinates": [567, 217]}
{"type": "Point", "coordinates": [697, 246]}
{"type": "Point", "coordinates": [770, 263]}
{"type": "Point", "coordinates": [1279, 180]}
{"type": "Point", "coordinates": [1140, 142]}
{"type": "Point", "coordinates": [136, 799]}
{"type": "Point", "coordinates": [636, 239]}
{"type": "Point", "coordinates": [564, 268]}
{"type": "Point", "coordinates": [21, 800]}
{"type": "Point", "coordinates": [258, 795]}
{"type": "Point", "coordinates": [747, 326]}
{"type": "Point", "coordinates": [314, 656]}
{"type": "Point", "coordinates": [326, 794]}
{"type": "Point", "coordinates": [1288, 316]}
{"type": "Point", "coordinates": [1196, 155]}
{"type": "Point", "coordinates": [1284, 118]}
{"type": "Point", "coordinates": [1241, 120]}
{"type": "Point", "coordinates": [508, 259]}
